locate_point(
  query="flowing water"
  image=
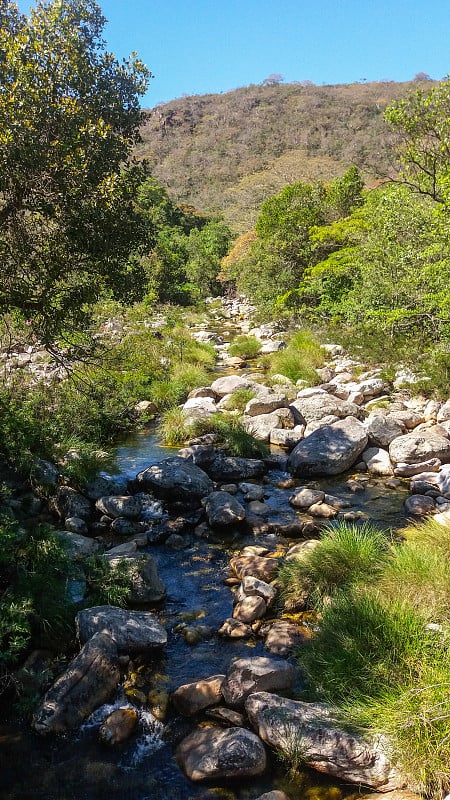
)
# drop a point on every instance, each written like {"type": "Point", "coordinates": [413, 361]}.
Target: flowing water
{"type": "Point", "coordinates": [77, 767]}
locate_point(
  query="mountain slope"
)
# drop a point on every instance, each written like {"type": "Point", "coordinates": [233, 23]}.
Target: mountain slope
{"type": "Point", "coordinates": [225, 153]}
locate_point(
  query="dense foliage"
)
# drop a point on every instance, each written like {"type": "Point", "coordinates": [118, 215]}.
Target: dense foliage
{"type": "Point", "coordinates": [69, 118]}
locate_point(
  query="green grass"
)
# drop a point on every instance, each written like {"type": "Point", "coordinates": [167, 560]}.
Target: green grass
{"type": "Point", "coordinates": [174, 428]}
{"type": "Point", "coordinates": [245, 347]}
{"type": "Point", "coordinates": [231, 435]}
{"type": "Point", "coordinates": [346, 555]}
{"type": "Point", "coordinates": [373, 657]}
{"type": "Point", "coordinates": [239, 399]}
{"type": "Point", "coordinates": [300, 359]}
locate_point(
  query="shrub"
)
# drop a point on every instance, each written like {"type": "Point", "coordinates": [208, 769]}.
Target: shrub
{"type": "Point", "coordinates": [231, 435]}
{"type": "Point", "coordinates": [245, 347]}
{"type": "Point", "coordinates": [346, 555]}
{"type": "Point", "coordinates": [109, 584]}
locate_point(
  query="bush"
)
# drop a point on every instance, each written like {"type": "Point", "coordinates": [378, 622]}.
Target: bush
{"type": "Point", "coordinates": [239, 399]}
{"type": "Point", "coordinates": [231, 435]}
{"type": "Point", "coordinates": [245, 347]}
{"type": "Point", "coordinates": [346, 555]}
{"type": "Point", "coordinates": [174, 428]}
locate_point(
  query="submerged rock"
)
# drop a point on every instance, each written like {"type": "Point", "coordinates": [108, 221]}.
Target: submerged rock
{"type": "Point", "coordinates": [216, 753]}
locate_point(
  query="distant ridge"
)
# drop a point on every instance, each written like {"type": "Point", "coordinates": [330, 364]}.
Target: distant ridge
{"type": "Point", "coordinates": [226, 153]}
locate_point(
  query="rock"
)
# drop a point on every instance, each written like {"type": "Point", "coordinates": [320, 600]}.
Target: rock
{"type": "Point", "coordinates": [229, 384]}
{"type": "Point", "coordinates": [44, 477]}
{"type": "Point", "coordinates": [118, 726]}
{"type": "Point", "coordinates": [412, 448]}
{"type": "Point", "coordinates": [146, 585]}
{"type": "Point", "coordinates": [419, 505]}
{"type": "Point", "coordinates": [248, 675]}
{"type": "Point", "coordinates": [265, 404]}
{"type": "Point", "coordinates": [132, 631]}
{"type": "Point", "coordinates": [273, 346]}
{"type": "Point", "coordinates": [327, 747]}
{"type": "Point", "coordinates": [262, 426]}
{"type": "Point", "coordinates": [315, 424]}
{"type": "Point", "coordinates": [257, 566]}
{"type": "Point", "coordinates": [199, 454]}
{"type": "Point", "coordinates": [287, 438]}
{"type": "Point", "coordinates": [146, 407]}
{"type": "Point", "coordinates": [329, 450]}
{"type": "Point", "coordinates": [125, 527]}
{"type": "Point", "coordinates": [175, 479]}
{"type": "Point", "coordinates": [233, 468]}
{"type": "Point", "coordinates": [125, 549]}
{"type": "Point", "coordinates": [255, 507]}
{"type": "Point", "coordinates": [378, 462]}
{"type": "Point", "coordinates": [234, 629]}
{"type": "Point", "coordinates": [322, 510]}
{"type": "Point", "coordinates": [406, 417]}
{"type": "Point", "coordinates": [87, 683]}
{"type": "Point", "coordinates": [69, 503]}
{"type": "Point", "coordinates": [78, 546]}
{"type": "Point", "coordinates": [113, 506]}
{"type": "Point", "coordinates": [305, 497]}
{"type": "Point", "coordinates": [275, 795]}
{"type": "Point", "coordinates": [105, 485]}
{"type": "Point", "coordinates": [191, 698]}
{"type": "Point", "coordinates": [429, 481]}
{"type": "Point", "coordinates": [252, 491]}
{"type": "Point", "coordinates": [251, 587]}
{"type": "Point", "coordinates": [444, 412]}
{"type": "Point", "coordinates": [223, 509]}
{"type": "Point", "coordinates": [228, 717]}
{"type": "Point", "coordinates": [202, 391]}
{"type": "Point", "coordinates": [283, 637]}
{"type": "Point", "coordinates": [403, 470]}
{"type": "Point", "coordinates": [76, 525]}
{"type": "Point", "coordinates": [381, 430]}
{"type": "Point", "coordinates": [214, 753]}
{"type": "Point", "coordinates": [249, 609]}
{"type": "Point", "coordinates": [322, 405]}
{"type": "Point", "coordinates": [199, 408]}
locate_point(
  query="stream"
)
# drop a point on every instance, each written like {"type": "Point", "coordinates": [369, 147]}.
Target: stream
{"type": "Point", "coordinates": [77, 767]}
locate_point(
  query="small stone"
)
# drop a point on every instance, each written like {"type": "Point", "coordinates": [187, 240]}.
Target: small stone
{"type": "Point", "coordinates": [250, 609]}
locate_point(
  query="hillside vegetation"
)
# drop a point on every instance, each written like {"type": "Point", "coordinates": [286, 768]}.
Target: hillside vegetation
{"type": "Point", "coordinates": [229, 152]}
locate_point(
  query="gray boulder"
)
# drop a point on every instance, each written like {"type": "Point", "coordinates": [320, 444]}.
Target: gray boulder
{"type": "Point", "coordinates": [262, 673]}
{"type": "Point", "coordinates": [69, 503]}
{"type": "Point", "coordinates": [415, 447]}
{"type": "Point", "coordinates": [323, 405]}
{"type": "Point", "coordinates": [283, 723]}
{"type": "Point", "coordinates": [261, 426]}
{"type": "Point", "coordinates": [382, 430]}
{"type": "Point", "coordinates": [229, 383]}
{"type": "Point", "coordinates": [78, 546]}
{"type": "Point", "coordinates": [265, 404]}
{"type": "Point", "coordinates": [214, 753]}
{"type": "Point", "coordinates": [175, 479]}
{"type": "Point", "coordinates": [329, 450]}
{"type": "Point", "coordinates": [87, 683]}
{"type": "Point", "coordinates": [122, 506]}
{"type": "Point", "coordinates": [223, 509]}
{"type": "Point", "coordinates": [132, 631]}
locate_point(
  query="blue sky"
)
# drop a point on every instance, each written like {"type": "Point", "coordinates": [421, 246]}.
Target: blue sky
{"type": "Point", "coordinates": [203, 46]}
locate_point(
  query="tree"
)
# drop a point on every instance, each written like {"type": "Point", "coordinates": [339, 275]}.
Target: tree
{"type": "Point", "coordinates": [69, 117]}
{"type": "Point", "coordinates": [273, 79]}
{"type": "Point", "coordinates": [422, 124]}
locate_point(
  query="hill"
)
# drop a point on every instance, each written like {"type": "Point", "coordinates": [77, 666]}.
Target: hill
{"type": "Point", "coordinates": [226, 153]}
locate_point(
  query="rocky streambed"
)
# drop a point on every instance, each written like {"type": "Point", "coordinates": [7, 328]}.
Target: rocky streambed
{"type": "Point", "coordinates": [200, 668]}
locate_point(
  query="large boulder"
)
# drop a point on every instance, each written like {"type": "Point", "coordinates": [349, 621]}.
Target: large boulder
{"type": "Point", "coordinates": [87, 683]}
{"type": "Point", "coordinates": [284, 724]}
{"type": "Point", "coordinates": [78, 546]}
{"type": "Point", "coordinates": [261, 426]}
{"type": "Point", "coordinates": [262, 673]}
{"type": "Point", "coordinates": [415, 447]}
{"type": "Point", "coordinates": [229, 384]}
{"type": "Point", "coordinates": [132, 631]}
{"type": "Point", "coordinates": [329, 450]}
{"type": "Point", "coordinates": [175, 479]}
{"type": "Point", "coordinates": [432, 481]}
{"type": "Point", "coordinates": [265, 404]}
{"type": "Point", "coordinates": [199, 408]}
{"type": "Point", "coordinates": [323, 405]}
{"type": "Point", "coordinates": [223, 509]}
{"type": "Point", "coordinates": [214, 753]}
{"type": "Point", "coordinates": [69, 503]}
{"type": "Point", "coordinates": [382, 429]}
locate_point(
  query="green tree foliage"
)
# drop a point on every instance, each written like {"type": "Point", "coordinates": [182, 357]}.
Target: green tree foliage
{"type": "Point", "coordinates": [69, 117]}
{"type": "Point", "coordinates": [422, 123]}
{"type": "Point", "coordinates": [284, 248]}
{"type": "Point", "coordinates": [206, 248]}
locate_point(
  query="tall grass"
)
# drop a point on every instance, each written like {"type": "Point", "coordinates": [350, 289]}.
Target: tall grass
{"type": "Point", "coordinates": [346, 555]}
{"type": "Point", "coordinates": [374, 656]}
{"type": "Point", "coordinates": [300, 359]}
{"type": "Point", "coordinates": [245, 346]}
